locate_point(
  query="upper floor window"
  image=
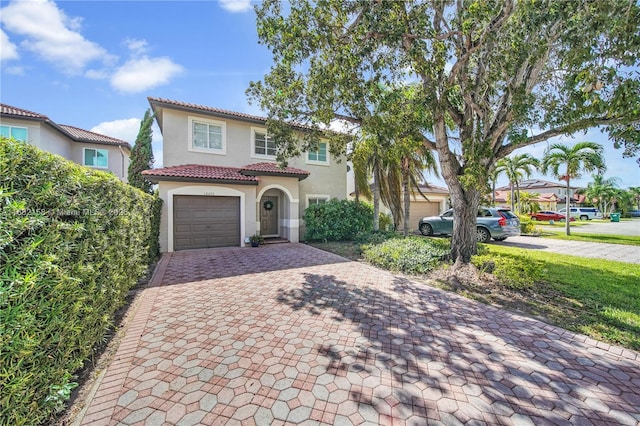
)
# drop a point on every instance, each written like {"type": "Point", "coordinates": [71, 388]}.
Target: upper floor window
{"type": "Point", "coordinates": [314, 199]}
{"type": "Point", "coordinates": [318, 154]}
{"type": "Point", "coordinates": [262, 144]}
{"type": "Point", "coordinates": [18, 133]}
{"type": "Point", "coordinates": [207, 136]}
{"type": "Point", "coordinates": [96, 157]}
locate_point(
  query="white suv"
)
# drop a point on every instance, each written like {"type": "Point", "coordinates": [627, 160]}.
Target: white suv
{"type": "Point", "coordinates": [583, 213]}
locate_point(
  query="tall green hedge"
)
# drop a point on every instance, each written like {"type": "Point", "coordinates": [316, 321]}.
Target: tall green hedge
{"type": "Point", "coordinates": [337, 220]}
{"type": "Point", "coordinates": [73, 242]}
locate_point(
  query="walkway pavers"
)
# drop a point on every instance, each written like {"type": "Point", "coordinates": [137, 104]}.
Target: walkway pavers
{"type": "Point", "coordinates": [288, 334]}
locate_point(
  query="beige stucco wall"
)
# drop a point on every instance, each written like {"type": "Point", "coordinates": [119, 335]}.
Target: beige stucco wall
{"type": "Point", "coordinates": [43, 136]}
{"type": "Point", "coordinates": [118, 161]}
{"type": "Point", "coordinates": [324, 180]}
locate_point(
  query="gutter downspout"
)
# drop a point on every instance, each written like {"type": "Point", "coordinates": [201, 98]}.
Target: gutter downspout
{"type": "Point", "coordinates": [123, 178]}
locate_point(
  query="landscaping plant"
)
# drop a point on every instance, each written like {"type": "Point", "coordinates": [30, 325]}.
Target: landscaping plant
{"type": "Point", "coordinates": [337, 220]}
{"type": "Point", "coordinates": [73, 242]}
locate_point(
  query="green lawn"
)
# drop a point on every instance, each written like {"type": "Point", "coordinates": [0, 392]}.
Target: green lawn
{"type": "Point", "coordinates": [598, 298]}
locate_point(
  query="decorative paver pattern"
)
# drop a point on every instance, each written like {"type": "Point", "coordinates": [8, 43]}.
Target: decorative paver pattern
{"type": "Point", "coordinates": [289, 334]}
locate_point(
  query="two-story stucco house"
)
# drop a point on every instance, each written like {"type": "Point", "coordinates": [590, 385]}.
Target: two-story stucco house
{"type": "Point", "coordinates": [80, 146]}
{"type": "Point", "coordinates": [220, 181]}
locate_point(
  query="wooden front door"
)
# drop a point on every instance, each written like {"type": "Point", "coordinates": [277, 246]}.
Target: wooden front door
{"type": "Point", "coordinates": [269, 217]}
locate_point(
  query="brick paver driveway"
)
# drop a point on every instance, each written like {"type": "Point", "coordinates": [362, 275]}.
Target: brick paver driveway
{"type": "Point", "coordinates": [290, 334]}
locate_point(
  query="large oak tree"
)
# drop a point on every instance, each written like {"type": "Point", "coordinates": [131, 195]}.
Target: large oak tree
{"type": "Point", "coordinates": [493, 76]}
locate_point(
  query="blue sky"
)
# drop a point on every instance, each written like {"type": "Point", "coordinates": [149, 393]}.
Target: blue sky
{"type": "Point", "coordinates": [92, 64]}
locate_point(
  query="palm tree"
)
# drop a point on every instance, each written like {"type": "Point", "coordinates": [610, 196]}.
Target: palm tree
{"type": "Point", "coordinates": [635, 196]}
{"type": "Point", "coordinates": [372, 159]}
{"type": "Point", "coordinates": [604, 190]}
{"type": "Point", "coordinates": [528, 202]}
{"type": "Point", "coordinates": [414, 160]}
{"type": "Point", "coordinates": [583, 156]}
{"type": "Point", "coordinates": [515, 168]}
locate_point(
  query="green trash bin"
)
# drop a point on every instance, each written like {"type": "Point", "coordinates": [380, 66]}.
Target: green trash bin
{"type": "Point", "coordinates": [615, 217]}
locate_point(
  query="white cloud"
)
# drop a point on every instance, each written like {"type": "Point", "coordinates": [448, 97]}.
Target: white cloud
{"type": "Point", "coordinates": [236, 5]}
{"type": "Point", "coordinates": [100, 74]}
{"type": "Point", "coordinates": [138, 75]}
{"type": "Point", "coordinates": [137, 46]}
{"type": "Point", "coordinates": [52, 35]}
{"type": "Point", "coordinates": [127, 129]}
{"type": "Point", "coordinates": [8, 50]}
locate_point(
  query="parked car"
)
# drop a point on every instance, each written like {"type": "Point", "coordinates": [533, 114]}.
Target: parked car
{"type": "Point", "coordinates": [634, 213]}
{"type": "Point", "coordinates": [549, 215]}
{"type": "Point", "coordinates": [490, 223]}
{"type": "Point", "coordinates": [583, 213]}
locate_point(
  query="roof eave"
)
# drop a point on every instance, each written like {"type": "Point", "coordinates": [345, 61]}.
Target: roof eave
{"type": "Point", "coordinates": [157, 179]}
{"type": "Point", "coordinates": [300, 176]}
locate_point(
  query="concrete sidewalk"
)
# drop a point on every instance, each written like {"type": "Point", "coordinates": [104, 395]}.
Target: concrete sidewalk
{"type": "Point", "coordinates": [618, 252]}
{"type": "Point", "coordinates": [289, 334]}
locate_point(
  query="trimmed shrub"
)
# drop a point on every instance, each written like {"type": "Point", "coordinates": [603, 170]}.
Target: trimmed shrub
{"type": "Point", "coordinates": [337, 220]}
{"type": "Point", "coordinates": [512, 271]}
{"type": "Point", "coordinates": [411, 255]}
{"type": "Point", "coordinates": [375, 237]}
{"type": "Point", "coordinates": [527, 226]}
{"type": "Point", "coordinates": [73, 242]}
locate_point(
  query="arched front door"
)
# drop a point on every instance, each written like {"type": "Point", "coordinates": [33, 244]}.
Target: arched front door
{"type": "Point", "coordinates": [269, 208]}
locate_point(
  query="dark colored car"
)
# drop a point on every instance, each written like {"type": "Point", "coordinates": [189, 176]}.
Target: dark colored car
{"type": "Point", "coordinates": [634, 213]}
{"type": "Point", "coordinates": [549, 215]}
{"type": "Point", "coordinates": [490, 223]}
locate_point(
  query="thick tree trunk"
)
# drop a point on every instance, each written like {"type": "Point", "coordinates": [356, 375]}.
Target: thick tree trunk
{"type": "Point", "coordinates": [465, 201]}
{"type": "Point", "coordinates": [493, 193]}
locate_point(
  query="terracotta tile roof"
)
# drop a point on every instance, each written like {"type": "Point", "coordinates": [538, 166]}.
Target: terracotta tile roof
{"type": "Point", "coordinates": [199, 171]}
{"type": "Point", "coordinates": [217, 111]}
{"type": "Point", "coordinates": [19, 112]}
{"type": "Point", "coordinates": [75, 133]}
{"type": "Point", "coordinates": [434, 189]}
{"type": "Point", "coordinates": [206, 109]}
{"type": "Point", "coordinates": [272, 168]}
{"type": "Point", "coordinates": [82, 135]}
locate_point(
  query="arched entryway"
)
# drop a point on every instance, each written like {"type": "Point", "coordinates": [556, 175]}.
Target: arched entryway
{"type": "Point", "coordinates": [274, 214]}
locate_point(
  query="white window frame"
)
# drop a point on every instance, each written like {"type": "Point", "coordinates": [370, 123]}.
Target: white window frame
{"type": "Point", "coordinates": [255, 130]}
{"type": "Point", "coordinates": [308, 197]}
{"type": "Point", "coordinates": [26, 129]}
{"type": "Point", "coordinates": [320, 163]}
{"type": "Point", "coordinates": [94, 149]}
{"type": "Point", "coordinates": [223, 131]}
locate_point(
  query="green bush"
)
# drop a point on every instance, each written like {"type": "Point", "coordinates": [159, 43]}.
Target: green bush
{"type": "Point", "coordinates": [527, 226]}
{"type": "Point", "coordinates": [512, 271]}
{"type": "Point", "coordinates": [385, 223]}
{"type": "Point", "coordinates": [73, 242]}
{"type": "Point", "coordinates": [337, 220]}
{"type": "Point", "coordinates": [411, 255]}
{"type": "Point", "coordinates": [375, 237]}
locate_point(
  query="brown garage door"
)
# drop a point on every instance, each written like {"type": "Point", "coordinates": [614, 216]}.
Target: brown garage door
{"type": "Point", "coordinates": [420, 209]}
{"type": "Point", "coordinates": [203, 222]}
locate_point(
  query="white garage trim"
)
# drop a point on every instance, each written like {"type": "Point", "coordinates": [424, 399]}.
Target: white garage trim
{"type": "Point", "coordinates": [208, 190]}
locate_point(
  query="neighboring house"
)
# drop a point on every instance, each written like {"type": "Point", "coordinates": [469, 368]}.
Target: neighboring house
{"type": "Point", "coordinates": [436, 201]}
{"type": "Point", "coordinates": [220, 181]}
{"type": "Point", "coordinates": [546, 201]}
{"type": "Point", "coordinates": [546, 189]}
{"type": "Point", "coordinates": [80, 146]}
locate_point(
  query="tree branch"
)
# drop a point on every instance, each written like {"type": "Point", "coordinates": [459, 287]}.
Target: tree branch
{"type": "Point", "coordinates": [567, 129]}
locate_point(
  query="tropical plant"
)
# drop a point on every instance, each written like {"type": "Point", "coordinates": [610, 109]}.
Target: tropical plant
{"type": "Point", "coordinates": [567, 163]}
{"type": "Point", "coordinates": [516, 168]}
{"type": "Point", "coordinates": [603, 190]}
{"type": "Point", "coordinates": [487, 72]}
{"type": "Point", "coordinates": [528, 203]}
